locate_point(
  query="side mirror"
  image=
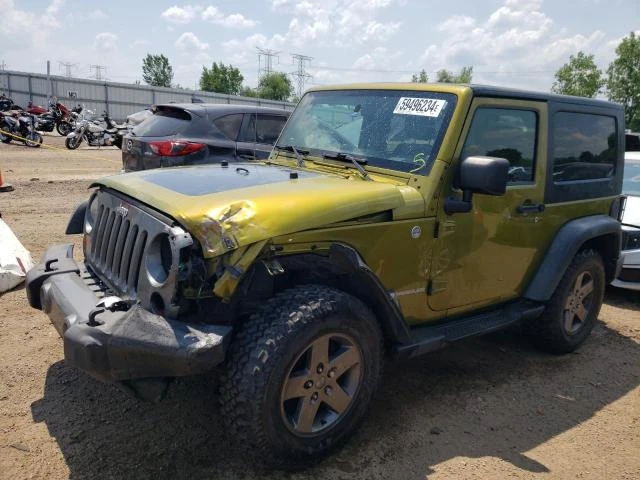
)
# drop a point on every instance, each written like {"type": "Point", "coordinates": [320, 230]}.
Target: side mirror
{"type": "Point", "coordinates": [483, 175]}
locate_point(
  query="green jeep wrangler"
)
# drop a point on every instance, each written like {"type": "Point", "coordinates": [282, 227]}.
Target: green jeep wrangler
{"type": "Point", "coordinates": [389, 220]}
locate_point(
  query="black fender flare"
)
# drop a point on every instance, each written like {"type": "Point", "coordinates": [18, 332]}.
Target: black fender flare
{"type": "Point", "coordinates": [366, 285]}
{"type": "Point", "coordinates": [601, 231]}
{"type": "Point", "coordinates": [76, 222]}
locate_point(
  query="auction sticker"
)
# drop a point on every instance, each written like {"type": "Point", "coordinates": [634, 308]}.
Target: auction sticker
{"type": "Point", "coordinates": [424, 107]}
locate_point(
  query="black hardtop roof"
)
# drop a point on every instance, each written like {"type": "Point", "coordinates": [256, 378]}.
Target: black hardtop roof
{"type": "Point", "coordinates": [219, 109]}
{"type": "Point", "coordinates": [504, 92]}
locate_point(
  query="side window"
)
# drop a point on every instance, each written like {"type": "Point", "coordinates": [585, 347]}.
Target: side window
{"type": "Point", "coordinates": [505, 133]}
{"type": "Point", "coordinates": [229, 125]}
{"type": "Point", "coordinates": [248, 130]}
{"type": "Point", "coordinates": [269, 128]}
{"type": "Point", "coordinates": [584, 146]}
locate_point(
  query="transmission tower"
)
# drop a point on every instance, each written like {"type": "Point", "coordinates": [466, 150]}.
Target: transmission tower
{"type": "Point", "coordinates": [3, 66]}
{"type": "Point", "coordinates": [301, 74]}
{"type": "Point", "coordinates": [266, 67]}
{"type": "Point", "coordinates": [99, 69]}
{"type": "Point", "coordinates": [68, 67]}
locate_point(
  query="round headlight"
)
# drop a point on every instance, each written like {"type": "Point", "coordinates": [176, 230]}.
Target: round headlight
{"type": "Point", "coordinates": [159, 259]}
{"type": "Point", "coordinates": [91, 214]}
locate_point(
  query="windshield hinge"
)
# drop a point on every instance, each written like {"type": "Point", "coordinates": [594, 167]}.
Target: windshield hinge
{"type": "Point", "coordinates": [429, 287]}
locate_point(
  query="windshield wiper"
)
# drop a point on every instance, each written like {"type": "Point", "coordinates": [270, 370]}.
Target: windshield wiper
{"type": "Point", "coordinates": [345, 157]}
{"type": "Point", "coordinates": [298, 153]}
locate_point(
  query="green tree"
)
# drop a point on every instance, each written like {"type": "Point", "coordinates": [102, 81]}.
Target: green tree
{"type": "Point", "coordinates": [421, 77]}
{"type": "Point", "coordinates": [465, 75]}
{"type": "Point", "coordinates": [579, 77]}
{"type": "Point", "coordinates": [623, 83]}
{"type": "Point", "coordinates": [248, 92]}
{"type": "Point", "coordinates": [221, 78]}
{"type": "Point", "coordinates": [275, 86]}
{"type": "Point", "coordinates": [157, 71]}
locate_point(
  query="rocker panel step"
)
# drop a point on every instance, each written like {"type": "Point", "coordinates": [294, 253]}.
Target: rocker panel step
{"type": "Point", "coordinates": [433, 337]}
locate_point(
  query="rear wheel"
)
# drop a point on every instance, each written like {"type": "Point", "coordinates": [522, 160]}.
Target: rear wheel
{"type": "Point", "coordinates": [72, 142]}
{"type": "Point", "coordinates": [573, 309]}
{"type": "Point", "coordinates": [64, 128]}
{"type": "Point", "coordinates": [302, 371]}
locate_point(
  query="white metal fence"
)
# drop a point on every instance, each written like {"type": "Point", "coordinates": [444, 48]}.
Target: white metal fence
{"type": "Point", "coordinates": [119, 99]}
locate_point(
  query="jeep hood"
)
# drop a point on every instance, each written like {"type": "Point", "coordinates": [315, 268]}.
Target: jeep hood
{"type": "Point", "coordinates": [238, 205]}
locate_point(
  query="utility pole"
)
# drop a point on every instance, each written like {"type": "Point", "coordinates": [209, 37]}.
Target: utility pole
{"type": "Point", "coordinates": [68, 66]}
{"type": "Point", "coordinates": [301, 73]}
{"type": "Point", "coordinates": [98, 68]}
{"type": "Point", "coordinates": [3, 66]}
{"type": "Point", "coordinates": [268, 56]}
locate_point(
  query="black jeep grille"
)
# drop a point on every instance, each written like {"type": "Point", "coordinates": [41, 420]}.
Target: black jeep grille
{"type": "Point", "coordinates": [127, 250]}
{"type": "Point", "coordinates": [117, 249]}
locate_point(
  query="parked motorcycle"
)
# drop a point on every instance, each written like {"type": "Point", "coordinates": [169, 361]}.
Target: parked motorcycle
{"type": "Point", "coordinates": [20, 124]}
{"type": "Point", "coordinates": [62, 117]}
{"type": "Point", "coordinates": [96, 133]}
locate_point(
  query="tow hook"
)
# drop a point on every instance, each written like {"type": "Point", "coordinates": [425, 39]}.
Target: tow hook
{"type": "Point", "coordinates": [113, 304]}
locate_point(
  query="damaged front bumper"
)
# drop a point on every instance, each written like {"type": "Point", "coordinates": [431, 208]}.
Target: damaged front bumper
{"type": "Point", "coordinates": [116, 346]}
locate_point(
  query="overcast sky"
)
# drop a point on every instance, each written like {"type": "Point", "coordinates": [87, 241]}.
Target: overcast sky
{"type": "Point", "coordinates": [509, 42]}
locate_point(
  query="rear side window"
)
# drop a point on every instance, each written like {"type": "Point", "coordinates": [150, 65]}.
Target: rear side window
{"type": "Point", "coordinates": [585, 146]}
{"type": "Point", "coordinates": [229, 125]}
{"type": "Point", "coordinates": [164, 123]}
{"type": "Point", "coordinates": [269, 127]}
{"type": "Point", "coordinates": [504, 133]}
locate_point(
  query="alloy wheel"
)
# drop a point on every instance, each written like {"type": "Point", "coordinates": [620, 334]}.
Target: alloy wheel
{"type": "Point", "coordinates": [579, 303]}
{"type": "Point", "coordinates": [321, 385]}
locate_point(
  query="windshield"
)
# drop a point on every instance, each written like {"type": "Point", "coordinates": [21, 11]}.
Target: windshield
{"type": "Point", "coordinates": [631, 181]}
{"type": "Point", "coordinates": [399, 130]}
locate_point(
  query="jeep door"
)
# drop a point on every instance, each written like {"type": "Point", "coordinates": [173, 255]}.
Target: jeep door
{"type": "Point", "coordinates": [487, 255]}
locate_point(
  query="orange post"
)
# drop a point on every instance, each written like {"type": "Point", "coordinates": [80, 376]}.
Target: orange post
{"type": "Point", "coordinates": [5, 187]}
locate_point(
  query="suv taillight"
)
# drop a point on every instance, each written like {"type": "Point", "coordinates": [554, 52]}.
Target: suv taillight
{"type": "Point", "coordinates": [172, 148]}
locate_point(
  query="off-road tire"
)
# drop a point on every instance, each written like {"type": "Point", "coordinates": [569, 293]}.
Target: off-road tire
{"type": "Point", "coordinates": [261, 357]}
{"type": "Point", "coordinates": [549, 331]}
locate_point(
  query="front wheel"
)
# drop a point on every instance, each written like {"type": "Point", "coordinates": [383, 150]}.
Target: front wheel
{"type": "Point", "coordinates": [64, 128]}
{"type": "Point", "coordinates": [302, 371]}
{"type": "Point", "coordinates": [33, 139]}
{"type": "Point", "coordinates": [573, 309]}
{"type": "Point", "coordinates": [72, 142]}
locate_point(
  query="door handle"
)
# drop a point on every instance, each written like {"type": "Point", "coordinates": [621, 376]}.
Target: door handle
{"type": "Point", "coordinates": [528, 207]}
{"type": "Point", "coordinates": [247, 156]}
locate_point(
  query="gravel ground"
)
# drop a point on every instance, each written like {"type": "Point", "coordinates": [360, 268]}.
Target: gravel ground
{"type": "Point", "coordinates": [487, 408]}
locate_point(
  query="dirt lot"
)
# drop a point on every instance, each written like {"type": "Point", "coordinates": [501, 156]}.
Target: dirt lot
{"type": "Point", "coordinates": [489, 408]}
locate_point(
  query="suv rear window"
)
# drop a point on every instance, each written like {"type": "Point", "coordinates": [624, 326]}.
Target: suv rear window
{"type": "Point", "coordinates": [165, 122]}
{"type": "Point", "coordinates": [585, 146]}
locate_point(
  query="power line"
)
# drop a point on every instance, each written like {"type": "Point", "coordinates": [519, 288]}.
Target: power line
{"type": "Point", "coordinates": [98, 68]}
{"type": "Point", "coordinates": [68, 66]}
{"type": "Point", "coordinates": [268, 56]}
{"type": "Point", "coordinates": [301, 74]}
